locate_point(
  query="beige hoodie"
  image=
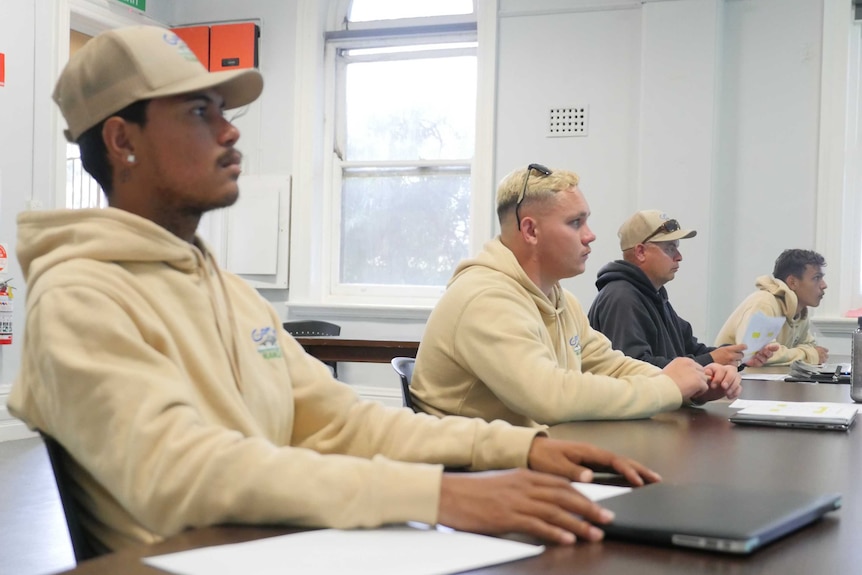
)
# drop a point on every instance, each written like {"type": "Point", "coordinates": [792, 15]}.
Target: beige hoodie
{"type": "Point", "coordinates": [774, 299]}
{"type": "Point", "coordinates": [496, 347]}
{"type": "Point", "coordinates": [183, 403]}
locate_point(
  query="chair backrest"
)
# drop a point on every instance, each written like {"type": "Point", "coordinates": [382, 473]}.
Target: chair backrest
{"type": "Point", "coordinates": [311, 327]}
{"type": "Point", "coordinates": [83, 546]}
{"type": "Point", "coordinates": [403, 366]}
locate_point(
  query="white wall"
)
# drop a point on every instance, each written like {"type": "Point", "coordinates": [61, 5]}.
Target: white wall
{"type": "Point", "coordinates": [706, 109]}
{"type": "Point", "coordinates": [677, 134]}
{"type": "Point", "coordinates": [18, 106]}
{"type": "Point", "coordinates": [268, 145]}
{"type": "Point", "coordinates": [560, 58]}
{"type": "Point", "coordinates": [768, 127]}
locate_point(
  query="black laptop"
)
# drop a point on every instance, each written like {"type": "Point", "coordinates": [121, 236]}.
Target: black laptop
{"type": "Point", "coordinates": [713, 517]}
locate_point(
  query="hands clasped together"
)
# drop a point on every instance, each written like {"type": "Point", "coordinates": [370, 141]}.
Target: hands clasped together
{"type": "Point", "coordinates": [702, 384]}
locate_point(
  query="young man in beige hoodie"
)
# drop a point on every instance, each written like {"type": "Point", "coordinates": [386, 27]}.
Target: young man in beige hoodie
{"type": "Point", "coordinates": [795, 285]}
{"type": "Point", "coordinates": [172, 386]}
{"type": "Point", "coordinates": [507, 342]}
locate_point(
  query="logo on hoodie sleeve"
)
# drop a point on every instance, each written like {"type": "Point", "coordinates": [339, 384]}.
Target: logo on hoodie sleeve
{"type": "Point", "coordinates": [575, 342]}
{"type": "Point", "coordinates": [266, 339]}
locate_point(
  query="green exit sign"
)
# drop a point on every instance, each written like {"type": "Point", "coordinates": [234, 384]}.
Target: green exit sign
{"type": "Point", "coordinates": [137, 4]}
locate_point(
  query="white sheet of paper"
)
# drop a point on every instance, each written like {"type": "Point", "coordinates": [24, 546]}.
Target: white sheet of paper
{"type": "Point", "coordinates": [761, 330]}
{"type": "Point", "coordinates": [597, 491]}
{"type": "Point", "coordinates": [764, 376]}
{"type": "Point", "coordinates": [387, 551]}
{"type": "Point", "coordinates": [795, 407]}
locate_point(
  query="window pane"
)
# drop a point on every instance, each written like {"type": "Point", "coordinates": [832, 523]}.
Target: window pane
{"type": "Point", "coordinates": [366, 10]}
{"type": "Point", "coordinates": [411, 109]}
{"type": "Point", "coordinates": [404, 230]}
{"type": "Point", "coordinates": [82, 190]}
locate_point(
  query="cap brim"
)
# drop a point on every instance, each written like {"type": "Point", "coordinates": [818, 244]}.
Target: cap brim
{"type": "Point", "coordinates": [237, 87]}
{"type": "Point", "coordinates": [677, 235]}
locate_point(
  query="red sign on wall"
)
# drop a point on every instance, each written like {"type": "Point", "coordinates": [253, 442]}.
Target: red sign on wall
{"type": "Point", "coordinates": [2, 69]}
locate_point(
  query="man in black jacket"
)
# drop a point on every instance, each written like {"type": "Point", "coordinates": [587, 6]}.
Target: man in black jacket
{"type": "Point", "coordinates": [632, 307]}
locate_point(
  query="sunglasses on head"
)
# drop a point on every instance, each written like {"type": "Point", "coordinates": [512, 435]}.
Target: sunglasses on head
{"type": "Point", "coordinates": [667, 227]}
{"type": "Point", "coordinates": [539, 168]}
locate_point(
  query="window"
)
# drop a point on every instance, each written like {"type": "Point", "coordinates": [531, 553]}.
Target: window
{"type": "Point", "coordinates": [853, 176]}
{"type": "Point", "coordinates": [370, 10]}
{"type": "Point", "coordinates": [401, 142]}
{"type": "Point", "coordinates": [853, 160]}
{"type": "Point", "coordinates": [839, 191]}
{"type": "Point", "coordinates": [82, 191]}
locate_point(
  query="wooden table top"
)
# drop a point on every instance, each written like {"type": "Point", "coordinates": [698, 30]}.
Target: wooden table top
{"type": "Point", "coordinates": [690, 445]}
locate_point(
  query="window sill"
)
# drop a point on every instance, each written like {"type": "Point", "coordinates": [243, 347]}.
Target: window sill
{"type": "Point", "coordinates": [835, 326]}
{"type": "Point", "coordinates": [317, 310]}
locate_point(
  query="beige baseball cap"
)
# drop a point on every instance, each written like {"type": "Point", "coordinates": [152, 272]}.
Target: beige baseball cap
{"type": "Point", "coordinates": [121, 66]}
{"type": "Point", "coordinates": [651, 225]}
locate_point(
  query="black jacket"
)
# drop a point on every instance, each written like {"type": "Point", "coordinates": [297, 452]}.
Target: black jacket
{"type": "Point", "coordinates": [639, 320]}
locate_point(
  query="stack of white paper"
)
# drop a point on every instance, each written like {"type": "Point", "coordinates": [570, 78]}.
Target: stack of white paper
{"type": "Point", "coordinates": [388, 551]}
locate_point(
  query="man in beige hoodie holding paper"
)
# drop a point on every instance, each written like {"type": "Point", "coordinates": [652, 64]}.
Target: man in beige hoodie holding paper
{"type": "Point", "coordinates": [795, 285]}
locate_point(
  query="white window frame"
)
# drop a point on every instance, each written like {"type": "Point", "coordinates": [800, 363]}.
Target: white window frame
{"type": "Point", "coordinates": [850, 294]}
{"type": "Point", "coordinates": [837, 234]}
{"type": "Point", "coordinates": [312, 268]}
{"type": "Point", "coordinates": [311, 239]}
{"type": "Point", "coordinates": [335, 165]}
{"type": "Point", "coordinates": [90, 17]}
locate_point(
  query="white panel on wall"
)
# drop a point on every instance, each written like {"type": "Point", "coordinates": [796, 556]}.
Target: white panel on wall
{"type": "Point", "coordinates": [257, 230]}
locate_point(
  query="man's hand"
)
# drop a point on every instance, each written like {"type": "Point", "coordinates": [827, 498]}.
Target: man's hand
{"type": "Point", "coordinates": [822, 352]}
{"type": "Point", "coordinates": [688, 376]}
{"type": "Point", "coordinates": [519, 501]}
{"type": "Point", "coordinates": [724, 381]}
{"type": "Point", "coordinates": [540, 502]}
{"type": "Point", "coordinates": [760, 358]}
{"type": "Point", "coordinates": [728, 354]}
{"type": "Point", "coordinates": [577, 461]}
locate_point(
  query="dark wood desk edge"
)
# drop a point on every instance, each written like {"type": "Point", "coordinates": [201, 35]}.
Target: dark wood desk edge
{"type": "Point", "coordinates": [357, 350]}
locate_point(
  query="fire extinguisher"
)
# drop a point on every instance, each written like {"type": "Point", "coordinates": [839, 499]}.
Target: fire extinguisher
{"type": "Point", "coordinates": [5, 313]}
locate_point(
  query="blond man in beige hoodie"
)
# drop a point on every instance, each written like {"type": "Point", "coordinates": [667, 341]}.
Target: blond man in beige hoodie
{"type": "Point", "coordinates": [507, 342]}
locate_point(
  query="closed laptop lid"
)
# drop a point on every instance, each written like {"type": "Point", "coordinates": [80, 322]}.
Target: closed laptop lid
{"type": "Point", "coordinates": [713, 517]}
{"type": "Point", "coordinates": [799, 414]}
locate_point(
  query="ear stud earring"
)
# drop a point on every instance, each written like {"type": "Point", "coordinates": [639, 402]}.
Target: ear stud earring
{"type": "Point", "coordinates": [130, 158]}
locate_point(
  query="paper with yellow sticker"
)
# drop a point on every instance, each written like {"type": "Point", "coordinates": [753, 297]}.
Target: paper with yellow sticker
{"type": "Point", "coordinates": [761, 330]}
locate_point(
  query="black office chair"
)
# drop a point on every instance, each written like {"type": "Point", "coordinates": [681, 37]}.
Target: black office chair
{"type": "Point", "coordinates": [83, 545]}
{"type": "Point", "coordinates": [312, 328]}
{"type": "Point", "coordinates": [403, 366]}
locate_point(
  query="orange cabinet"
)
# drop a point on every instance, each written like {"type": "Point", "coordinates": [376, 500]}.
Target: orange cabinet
{"type": "Point", "coordinates": [223, 46]}
{"type": "Point", "coordinates": [198, 39]}
{"type": "Point", "coordinates": [233, 46]}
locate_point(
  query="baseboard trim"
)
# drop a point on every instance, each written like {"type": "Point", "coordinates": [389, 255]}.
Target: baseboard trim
{"type": "Point", "coordinates": [12, 430]}
{"type": "Point", "coordinates": [385, 395]}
